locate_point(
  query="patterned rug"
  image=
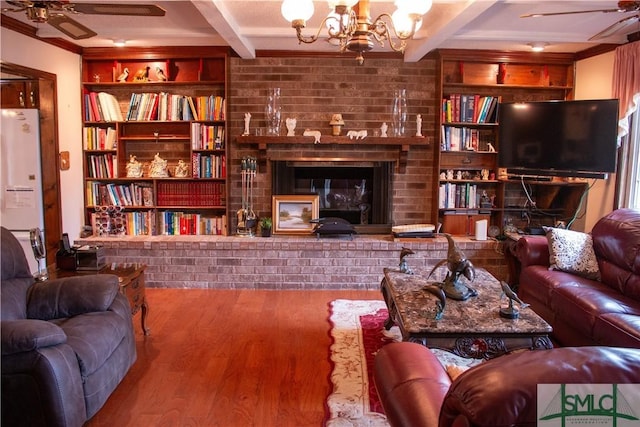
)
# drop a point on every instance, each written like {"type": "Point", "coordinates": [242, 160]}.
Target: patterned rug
{"type": "Point", "coordinates": [357, 330]}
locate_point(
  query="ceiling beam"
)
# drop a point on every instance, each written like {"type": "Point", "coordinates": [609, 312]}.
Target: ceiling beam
{"type": "Point", "coordinates": [450, 22]}
{"type": "Point", "coordinates": [218, 16]}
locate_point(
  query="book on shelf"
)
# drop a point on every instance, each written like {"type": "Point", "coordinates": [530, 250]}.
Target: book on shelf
{"type": "Point", "coordinates": [97, 138]}
{"type": "Point", "coordinates": [165, 106]}
{"type": "Point", "coordinates": [174, 223]}
{"type": "Point", "coordinates": [453, 196]}
{"type": "Point", "coordinates": [112, 194]}
{"type": "Point", "coordinates": [463, 108]}
{"type": "Point", "coordinates": [101, 107]}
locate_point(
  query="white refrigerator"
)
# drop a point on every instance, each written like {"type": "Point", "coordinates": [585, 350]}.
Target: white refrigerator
{"type": "Point", "coordinates": [21, 176]}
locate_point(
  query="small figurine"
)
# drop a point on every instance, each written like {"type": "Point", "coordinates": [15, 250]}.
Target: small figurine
{"type": "Point", "coordinates": [291, 126]}
{"type": "Point", "coordinates": [459, 175]}
{"type": "Point", "coordinates": [160, 75]}
{"type": "Point", "coordinates": [485, 174]}
{"type": "Point", "coordinates": [511, 312]}
{"type": "Point", "coordinates": [357, 134]}
{"type": "Point", "coordinates": [142, 75]}
{"type": "Point", "coordinates": [449, 174]}
{"type": "Point", "coordinates": [458, 265]}
{"type": "Point", "coordinates": [419, 125]}
{"type": "Point", "coordinates": [123, 77]}
{"type": "Point", "coordinates": [182, 169]}
{"type": "Point", "coordinates": [492, 149]}
{"type": "Point", "coordinates": [314, 133]}
{"type": "Point", "coordinates": [134, 167]}
{"type": "Point", "coordinates": [383, 130]}
{"type": "Point", "coordinates": [404, 266]}
{"type": "Point", "coordinates": [158, 167]}
{"type": "Point", "coordinates": [247, 121]}
{"type": "Point", "coordinates": [336, 124]}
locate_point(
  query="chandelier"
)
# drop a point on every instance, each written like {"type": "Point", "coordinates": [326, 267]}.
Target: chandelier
{"type": "Point", "coordinates": [349, 24]}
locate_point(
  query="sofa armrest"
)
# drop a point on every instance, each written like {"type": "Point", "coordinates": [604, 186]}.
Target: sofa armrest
{"type": "Point", "coordinates": [411, 383]}
{"type": "Point", "coordinates": [70, 296]}
{"type": "Point", "coordinates": [532, 250]}
{"type": "Point", "coordinates": [28, 334]}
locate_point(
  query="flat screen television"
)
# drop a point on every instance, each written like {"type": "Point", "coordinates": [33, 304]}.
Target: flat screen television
{"type": "Point", "coordinates": [558, 138]}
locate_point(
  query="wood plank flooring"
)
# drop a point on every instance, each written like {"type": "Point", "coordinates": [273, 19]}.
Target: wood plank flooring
{"type": "Point", "coordinates": [229, 358]}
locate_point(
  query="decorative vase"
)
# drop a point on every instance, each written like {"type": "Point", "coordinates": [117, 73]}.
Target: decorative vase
{"type": "Point", "coordinates": [399, 112]}
{"type": "Point", "coordinates": [273, 111]}
{"type": "Point", "coordinates": [502, 73]}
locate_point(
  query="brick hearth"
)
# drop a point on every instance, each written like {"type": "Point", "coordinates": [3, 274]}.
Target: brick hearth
{"type": "Point", "coordinates": [283, 262]}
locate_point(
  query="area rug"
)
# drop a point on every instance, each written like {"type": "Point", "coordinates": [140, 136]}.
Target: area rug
{"type": "Point", "coordinates": [357, 330]}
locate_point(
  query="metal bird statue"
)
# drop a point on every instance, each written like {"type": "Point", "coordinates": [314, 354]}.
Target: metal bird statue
{"type": "Point", "coordinates": [404, 266]}
{"type": "Point", "coordinates": [458, 264]}
{"type": "Point", "coordinates": [441, 302]}
{"type": "Point", "coordinates": [511, 312]}
{"type": "Point", "coordinates": [123, 77]}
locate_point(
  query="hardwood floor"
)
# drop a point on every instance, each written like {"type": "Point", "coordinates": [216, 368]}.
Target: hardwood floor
{"type": "Point", "coordinates": [228, 358]}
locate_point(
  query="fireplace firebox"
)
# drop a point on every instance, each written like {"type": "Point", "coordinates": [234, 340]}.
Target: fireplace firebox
{"type": "Point", "coordinates": [358, 192]}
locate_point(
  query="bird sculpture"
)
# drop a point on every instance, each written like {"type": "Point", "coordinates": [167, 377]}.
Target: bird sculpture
{"type": "Point", "coordinates": [458, 265]}
{"type": "Point", "coordinates": [441, 300]}
{"type": "Point", "coordinates": [511, 312]}
{"type": "Point", "coordinates": [160, 75]}
{"type": "Point", "coordinates": [404, 266]}
{"type": "Point", "coordinates": [142, 75]}
{"type": "Point", "coordinates": [123, 76]}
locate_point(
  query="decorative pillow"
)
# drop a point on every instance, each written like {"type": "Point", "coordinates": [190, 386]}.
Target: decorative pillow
{"type": "Point", "coordinates": [572, 252]}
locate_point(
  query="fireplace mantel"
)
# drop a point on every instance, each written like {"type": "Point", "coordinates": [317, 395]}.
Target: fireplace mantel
{"type": "Point", "coordinates": [403, 145]}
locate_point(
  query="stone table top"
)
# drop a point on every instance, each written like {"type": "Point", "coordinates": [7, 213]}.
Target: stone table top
{"type": "Point", "coordinates": [416, 307]}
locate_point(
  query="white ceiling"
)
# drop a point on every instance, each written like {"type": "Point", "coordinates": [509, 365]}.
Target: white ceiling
{"type": "Point", "coordinates": [252, 25]}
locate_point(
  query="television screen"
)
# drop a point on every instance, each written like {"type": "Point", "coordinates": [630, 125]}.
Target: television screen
{"type": "Point", "coordinates": [564, 138]}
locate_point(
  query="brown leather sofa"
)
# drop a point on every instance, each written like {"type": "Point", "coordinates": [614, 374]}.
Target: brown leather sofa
{"type": "Point", "coordinates": [415, 389]}
{"type": "Point", "coordinates": [583, 311]}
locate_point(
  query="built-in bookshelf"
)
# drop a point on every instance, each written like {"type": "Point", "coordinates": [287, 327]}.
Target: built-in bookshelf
{"type": "Point", "coordinates": [472, 84]}
{"type": "Point", "coordinates": [167, 104]}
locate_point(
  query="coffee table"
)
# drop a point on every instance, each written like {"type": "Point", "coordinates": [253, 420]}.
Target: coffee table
{"type": "Point", "coordinates": [471, 328]}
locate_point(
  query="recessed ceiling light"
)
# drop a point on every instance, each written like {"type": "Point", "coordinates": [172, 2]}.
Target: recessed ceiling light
{"type": "Point", "coordinates": [538, 46]}
{"type": "Point", "coordinates": [119, 43]}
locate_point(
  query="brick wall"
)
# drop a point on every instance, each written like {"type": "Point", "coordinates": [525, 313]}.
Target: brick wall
{"type": "Point", "coordinates": [285, 262]}
{"type": "Point", "coordinates": [312, 89]}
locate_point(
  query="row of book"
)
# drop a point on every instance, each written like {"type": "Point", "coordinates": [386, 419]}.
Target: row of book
{"type": "Point", "coordinates": [180, 193]}
{"type": "Point", "coordinates": [463, 195]}
{"type": "Point", "coordinates": [211, 166]}
{"type": "Point", "coordinates": [149, 106]}
{"type": "Point", "coordinates": [130, 194]}
{"type": "Point", "coordinates": [102, 166]}
{"type": "Point", "coordinates": [470, 108]}
{"type": "Point", "coordinates": [454, 138]}
{"type": "Point", "coordinates": [207, 137]}
{"type": "Point", "coordinates": [96, 138]}
{"type": "Point", "coordinates": [101, 107]}
{"type": "Point", "coordinates": [181, 223]}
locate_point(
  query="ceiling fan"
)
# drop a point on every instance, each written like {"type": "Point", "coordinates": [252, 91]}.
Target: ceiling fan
{"type": "Point", "coordinates": [623, 7]}
{"type": "Point", "coordinates": [55, 13]}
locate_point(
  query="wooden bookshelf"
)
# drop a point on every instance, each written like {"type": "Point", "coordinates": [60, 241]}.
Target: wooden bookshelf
{"type": "Point", "coordinates": [181, 119]}
{"type": "Point", "coordinates": [467, 145]}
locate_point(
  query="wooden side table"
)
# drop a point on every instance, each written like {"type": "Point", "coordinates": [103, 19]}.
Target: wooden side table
{"type": "Point", "coordinates": [131, 279]}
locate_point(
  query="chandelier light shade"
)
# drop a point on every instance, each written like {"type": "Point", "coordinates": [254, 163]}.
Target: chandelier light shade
{"type": "Point", "coordinates": [297, 10]}
{"type": "Point", "coordinates": [349, 25]}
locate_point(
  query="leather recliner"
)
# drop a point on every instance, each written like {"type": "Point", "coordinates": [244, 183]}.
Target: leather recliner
{"type": "Point", "coordinates": [66, 343]}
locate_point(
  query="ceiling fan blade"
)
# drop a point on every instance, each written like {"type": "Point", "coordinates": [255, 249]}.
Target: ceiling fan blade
{"type": "Point", "coordinates": [70, 27]}
{"type": "Point", "coordinates": [536, 15]}
{"type": "Point", "coordinates": [612, 29]}
{"type": "Point", "coordinates": [117, 9]}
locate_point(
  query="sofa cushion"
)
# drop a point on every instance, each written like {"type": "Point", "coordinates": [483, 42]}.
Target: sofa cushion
{"type": "Point", "coordinates": [617, 329]}
{"type": "Point", "coordinates": [616, 242]}
{"type": "Point", "coordinates": [572, 252]}
{"type": "Point", "coordinates": [94, 337]}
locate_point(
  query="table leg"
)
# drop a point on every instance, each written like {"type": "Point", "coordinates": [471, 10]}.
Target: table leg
{"type": "Point", "coordinates": [143, 317]}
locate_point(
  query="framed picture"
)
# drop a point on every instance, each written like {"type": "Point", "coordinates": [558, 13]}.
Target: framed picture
{"type": "Point", "coordinates": [291, 214]}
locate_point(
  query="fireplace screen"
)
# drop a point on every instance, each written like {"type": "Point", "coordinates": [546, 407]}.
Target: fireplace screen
{"type": "Point", "coordinates": [357, 193]}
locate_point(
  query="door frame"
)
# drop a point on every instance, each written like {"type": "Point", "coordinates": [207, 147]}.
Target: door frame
{"type": "Point", "coordinates": [49, 149]}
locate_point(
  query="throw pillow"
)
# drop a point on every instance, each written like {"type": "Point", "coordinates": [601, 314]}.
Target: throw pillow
{"type": "Point", "coordinates": [572, 252]}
